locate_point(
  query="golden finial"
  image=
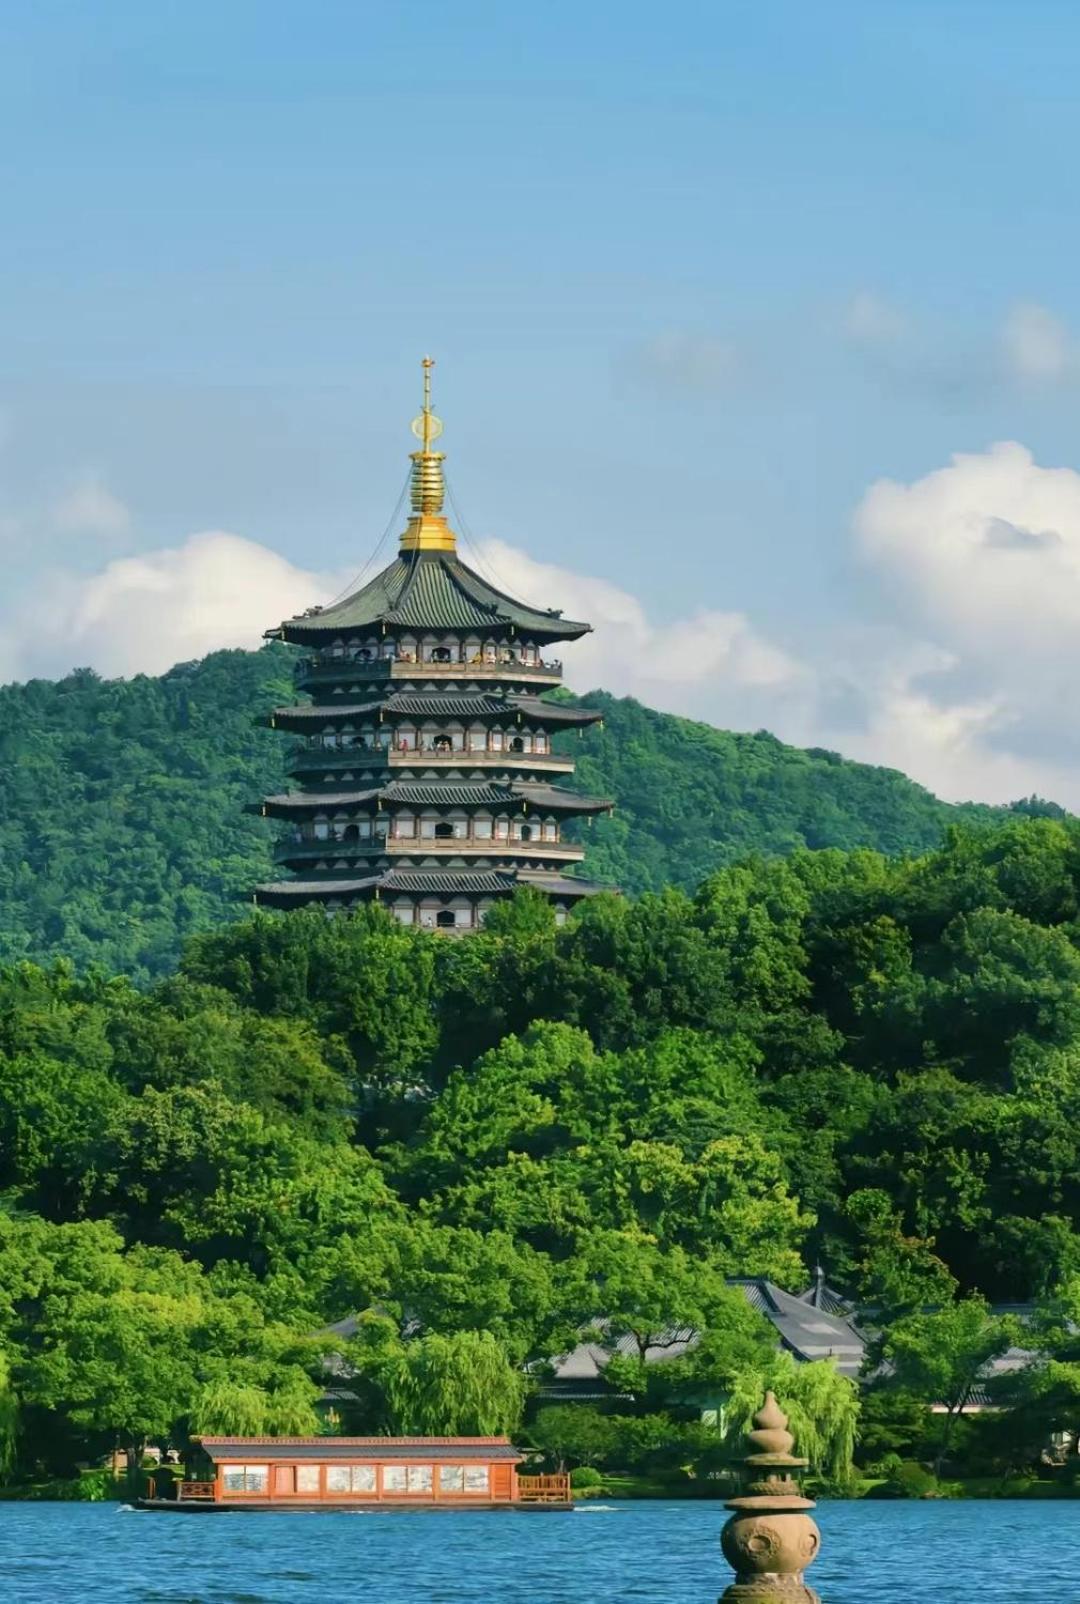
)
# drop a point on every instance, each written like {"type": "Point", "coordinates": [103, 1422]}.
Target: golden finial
{"type": "Point", "coordinates": [427, 530]}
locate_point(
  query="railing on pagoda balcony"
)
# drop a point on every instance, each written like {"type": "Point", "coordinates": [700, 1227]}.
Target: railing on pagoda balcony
{"type": "Point", "coordinates": [304, 759]}
{"type": "Point", "coordinates": [345, 670]}
{"type": "Point", "coordinates": [415, 846]}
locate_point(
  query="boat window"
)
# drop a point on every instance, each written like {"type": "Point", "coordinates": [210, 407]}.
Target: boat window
{"type": "Point", "coordinates": [246, 1478]}
{"type": "Point", "coordinates": [338, 1478]}
{"type": "Point", "coordinates": [307, 1478]}
{"type": "Point", "coordinates": [452, 1478]}
{"type": "Point", "coordinates": [419, 1478]}
{"type": "Point", "coordinates": [476, 1478]}
{"type": "Point", "coordinates": [363, 1478]}
{"type": "Point", "coordinates": [394, 1479]}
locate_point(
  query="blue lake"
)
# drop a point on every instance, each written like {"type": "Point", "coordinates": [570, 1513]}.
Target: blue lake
{"type": "Point", "coordinates": [644, 1553]}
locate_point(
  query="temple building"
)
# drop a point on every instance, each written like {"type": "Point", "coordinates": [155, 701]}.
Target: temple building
{"type": "Point", "coordinates": [425, 772]}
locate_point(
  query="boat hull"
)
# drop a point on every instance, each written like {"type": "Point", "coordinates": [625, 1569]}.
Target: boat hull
{"type": "Point", "coordinates": [207, 1506]}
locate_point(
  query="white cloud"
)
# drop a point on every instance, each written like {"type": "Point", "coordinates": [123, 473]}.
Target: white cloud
{"type": "Point", "coordinates": [1036, 346]}
{"type": "Point", "coordinates": [689, 361]}
{"type": "Point", "coordinates": [90, 508]}
{"type": "Point", "coordinates": [709, 659]}
{"type": "Point", "coordinates": [143, 614]}
{"type": "Point", "coordinates": [871, 319]}
{"type": "Point", "coordinates": [983, 558]}
{"type": "Point", "coordinates": [971, 689]}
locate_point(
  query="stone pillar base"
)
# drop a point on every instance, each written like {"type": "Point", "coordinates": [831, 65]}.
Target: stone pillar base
{"type": "Point", "coordinates": [770, 1590]}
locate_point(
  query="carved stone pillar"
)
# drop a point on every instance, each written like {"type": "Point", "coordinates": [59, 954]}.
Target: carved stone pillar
{"type": "Point", "coordinates": [770, 1538]}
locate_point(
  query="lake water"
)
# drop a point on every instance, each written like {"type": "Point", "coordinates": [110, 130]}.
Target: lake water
{"type": "Point", "coordinates": [643, 1553]}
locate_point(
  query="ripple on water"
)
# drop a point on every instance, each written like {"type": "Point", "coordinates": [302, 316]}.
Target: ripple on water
{"type": "Point", "coordinates": [667, 1553]}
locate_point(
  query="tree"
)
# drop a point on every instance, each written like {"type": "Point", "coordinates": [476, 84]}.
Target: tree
{"type": "Point", "coordinates": [461, 1384]}
{"type": "Point", "coordinates": [941, 1356]}
{"type": "Point", "coordinates": [822, 1407]}
{"type": "Point", "coordinates": [573, 1433]}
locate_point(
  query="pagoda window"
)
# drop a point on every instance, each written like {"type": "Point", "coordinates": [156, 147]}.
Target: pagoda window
{"type": "Point", "coordinates": [337, 649]}
{"type": "Point", "coordinates": [351, 832]}
{"type": "Point", "coordinates": [502, 829]}
{"type": "Point", "coordinates": [444, 830]}
{"type": "Point", "coordinates": [385, 738]}
{"type": "Point", "coordinates": [445, 919]}
{"type": "Point", "coordinates": [320, 830]}
{"type": "Point", "coordinates": [525, 832]}
{"type": "Point", "coordinates": [495, 742]}
{"type": "Point", "coordinates": [517, 743]}
{"type": "Point", "coordinates": [477, 740]}
{"type": "Point", "coordinates": [551, 830]}
{"type": "Point", "coordinates": [427, 828]}
{"type": "Point", "coordinates": [541, 743]}
{"type": "Point", "coordinates": [405, 824]}
{"type": "Point", "coordinates": [490, 652]}
{"type": "Point", "coordinates": [482, 829]}
{"type": "Point", "coordinates": [404, 913]}
{"type": "Point", "coordinates": [442, 743]}
{"type": "Point", "coordinates": [363, 829]}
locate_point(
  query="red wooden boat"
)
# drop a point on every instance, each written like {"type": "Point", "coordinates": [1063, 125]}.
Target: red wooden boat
{"type": "Point", "coordinates": [306, 1473]}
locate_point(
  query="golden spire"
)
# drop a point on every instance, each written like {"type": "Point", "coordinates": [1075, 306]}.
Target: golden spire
{"type": "Point", "coordinates": [427, 529]}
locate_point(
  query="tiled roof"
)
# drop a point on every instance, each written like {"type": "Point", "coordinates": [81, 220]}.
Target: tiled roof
{"type": "Point", "coordinates": [479, 705]}
{"type": "Point", "coordinates": [806, 1331]}
{"type": "Point", "coordinates": [424, 882]}
{"type": "Point", "coordinates": [437, 1448]}
{"type": "Point", "coordinates": [431, 590]}
{"type": "Point", "coordinates": [437, 793]}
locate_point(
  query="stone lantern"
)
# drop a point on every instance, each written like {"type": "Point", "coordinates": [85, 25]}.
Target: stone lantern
{"type": "Point", "coordinates": [771, 1538]}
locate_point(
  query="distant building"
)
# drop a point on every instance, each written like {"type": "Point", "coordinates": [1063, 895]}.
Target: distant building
{"type": "Point", "coordinates": [815, 1324]}
{"type": "Point", "coordinates": [426, 776]}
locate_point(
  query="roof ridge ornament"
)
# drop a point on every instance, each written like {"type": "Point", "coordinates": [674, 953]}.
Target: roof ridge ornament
{"type": "Point", "coordinates": [427, 529]}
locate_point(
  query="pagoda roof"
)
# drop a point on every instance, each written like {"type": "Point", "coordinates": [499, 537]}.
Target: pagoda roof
{"type": "Point", "coordinates": [430, 590]}
{"type": "Point", "coordinates": [436, 793]}
{"type": "Point", "coordinates": [406, 704]}
{"type": "Point", "coordinates": [426, 882]}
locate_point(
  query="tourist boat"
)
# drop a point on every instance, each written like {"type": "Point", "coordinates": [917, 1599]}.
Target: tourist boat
{"type": "Point", "coordinates": [309, 1473]}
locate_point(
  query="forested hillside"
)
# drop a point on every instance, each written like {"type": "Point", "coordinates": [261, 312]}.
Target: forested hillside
{"type": "Point", "coordinates": [121, 830]}
{"type": "Point", "coordinates": [489, 1144]}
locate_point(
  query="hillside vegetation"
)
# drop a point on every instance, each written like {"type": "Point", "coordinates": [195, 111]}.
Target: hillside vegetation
{"type": "Point", "coordinates": [490, 1144]}
{"type": "Point", "coordinates": [121, 830]}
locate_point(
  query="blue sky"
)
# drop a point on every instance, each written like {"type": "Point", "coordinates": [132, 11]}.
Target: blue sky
{"type": "Point", "coordinates": [698, 278]}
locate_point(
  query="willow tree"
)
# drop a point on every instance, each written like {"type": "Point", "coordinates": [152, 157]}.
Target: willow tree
{"type": "Point", "coordinates": [9, 1420]}
{"type": "Point", "coordinates": [461, 1384]}
{"type": "Point", "coordinates": [822, 1407]}
{"type": "Point", "coordinates": [246, 1409]}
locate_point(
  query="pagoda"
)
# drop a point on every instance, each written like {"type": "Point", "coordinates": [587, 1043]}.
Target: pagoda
{"type": "Point", "coordinates": [424, 769]}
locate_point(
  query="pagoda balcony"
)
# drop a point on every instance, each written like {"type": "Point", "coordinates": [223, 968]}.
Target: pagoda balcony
{"type": "Point", "coordinates": [312, 672]}
{"type": "Point", "coordinates": [412, 846]}
{"type": "Point", "coordinates": [331, 759]}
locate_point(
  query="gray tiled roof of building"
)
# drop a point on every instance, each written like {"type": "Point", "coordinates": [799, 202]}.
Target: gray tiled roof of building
{"type": "Point", "coordinates": [431, 590]}
{"type": "Point", "coordinates": [452, 1449]}
{"type": "Point", "coordinates": [398, 704]}
{"type": "Point", "coordinates": [438, 793]}
{"type": "Point", "coordinates": [443, 882]}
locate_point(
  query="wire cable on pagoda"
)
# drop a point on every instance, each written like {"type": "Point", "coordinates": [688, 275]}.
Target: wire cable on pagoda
{"type": "Point", "coordinates": [355, 584]}
{"type": "Point", "coordinates": [487, 569]}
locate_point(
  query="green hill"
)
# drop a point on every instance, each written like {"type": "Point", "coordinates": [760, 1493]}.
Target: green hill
{"type": "Point", "coordinates": [121, 829]}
